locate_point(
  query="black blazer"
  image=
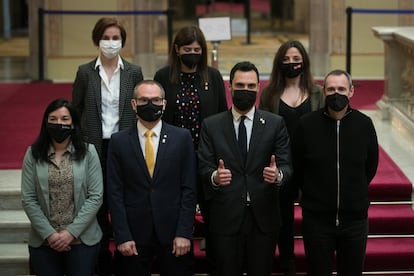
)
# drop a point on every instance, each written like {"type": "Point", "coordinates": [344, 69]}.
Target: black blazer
{"type": "Point", "coordinates": [140, 205]}
{"type": "Point", "coordinates": [212, 94]}
{"type": "Point", "coordinates": [227, 204]}
{"type": "Point", "coordinates": [87, 100]}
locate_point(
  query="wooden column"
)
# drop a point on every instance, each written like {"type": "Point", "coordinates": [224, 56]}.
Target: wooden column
{"type": "Point", "coordinates": [319, 36]}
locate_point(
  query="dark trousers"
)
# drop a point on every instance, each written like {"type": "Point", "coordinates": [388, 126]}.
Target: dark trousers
{"type": "Point", "coordinates": [105, 258]}
{"type": "Point", "coordinates": [203, 204]}
{"type": "Point", "coordinates": [249, 250]}
{"type": "Point", "coordinates": [285, 242]}
{"type": "Point", "coordinates": [167, 264]}
{"type": "Point", "coordinates": [79, 261]}
{"type": "Point", "coordinates": [322, 239]}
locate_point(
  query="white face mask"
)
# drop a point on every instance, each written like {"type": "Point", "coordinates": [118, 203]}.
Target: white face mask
{"type": "Point", "coordinates": [110, 48]}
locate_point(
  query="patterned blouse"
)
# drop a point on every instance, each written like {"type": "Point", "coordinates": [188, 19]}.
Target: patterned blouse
{"type": "Point", "coordinates": [61, 189]}
{"type": "Point", "coordinates": [187, 114]}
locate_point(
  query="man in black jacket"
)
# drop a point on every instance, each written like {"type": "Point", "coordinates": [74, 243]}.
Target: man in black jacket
{"type": "Point", "coordinates": [335, 157]}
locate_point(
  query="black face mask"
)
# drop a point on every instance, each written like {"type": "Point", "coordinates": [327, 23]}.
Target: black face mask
{"type": "Point", "coordinates": [149, 112]}
{"type": "Point", "coordinates": [190, 60]}
{"type": "Point", "coordinates": [337, 101]}
{"type": "Point", "coordinates": [288, 69]}
{"type": "Point", "coordinates": [244, 99]}
{"type": "Point", "coordinates": [59, 132]}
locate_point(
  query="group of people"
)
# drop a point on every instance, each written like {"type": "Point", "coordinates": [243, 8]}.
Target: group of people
{"type": "Point", "coordinates": [130, 159]}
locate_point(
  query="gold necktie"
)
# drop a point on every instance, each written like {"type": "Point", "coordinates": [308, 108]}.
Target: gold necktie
{"type": "Point", "coordinates": [149, 151]}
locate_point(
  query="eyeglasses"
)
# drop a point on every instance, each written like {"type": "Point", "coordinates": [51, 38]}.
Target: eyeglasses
{"type": "Point", "coordinates": [144, 101]}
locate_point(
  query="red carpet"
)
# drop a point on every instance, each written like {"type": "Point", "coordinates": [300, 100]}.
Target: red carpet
{"type": "Point", "coordinates": [21, 112]}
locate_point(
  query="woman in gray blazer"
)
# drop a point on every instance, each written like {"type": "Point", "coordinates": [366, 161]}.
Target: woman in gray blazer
{"type": "Point", "coordinates": [62, 192]}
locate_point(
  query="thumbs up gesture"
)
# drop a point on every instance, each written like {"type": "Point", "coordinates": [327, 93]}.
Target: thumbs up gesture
{"type": "Point", "coordinates": [223, 175]}
{"type": "Point", "coordinates": [270, 173]}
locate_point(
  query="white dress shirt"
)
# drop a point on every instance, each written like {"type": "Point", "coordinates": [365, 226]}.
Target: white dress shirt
{"type": "Point", "coordinates": [110, 90]}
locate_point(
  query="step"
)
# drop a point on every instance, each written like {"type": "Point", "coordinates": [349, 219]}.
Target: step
{"type": "Point", "coordinates": [387, 254]}
{"type": "Point", "coordinates": [14, 226]}
{"type": "Point", "coordinates": [10, 190]}
{"type": "Point", "coordinates": [380, 191]}
{"type": "Point", "coordinates": [384, 218]}
{"type": "Point", "coordinates": [14, 259]}
{"type": "Point", "coordinates": [391, 219]}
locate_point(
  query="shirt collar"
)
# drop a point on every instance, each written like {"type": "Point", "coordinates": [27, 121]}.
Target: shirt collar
{"type": "Point", "coordinates": [98, 63]}
{"type": "Point", "coordinates": [69, 148]}
{"type": "Point", "coordinates": [156, 129]}
{"type": "Point", "coordinates": [249, 115]}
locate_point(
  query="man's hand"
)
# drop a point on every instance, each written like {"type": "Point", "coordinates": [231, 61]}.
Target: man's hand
{"type": "Point", "coordinates": [270, 173]}
{"type": "Point", "coordinates": [127, 248]}
{"type": "Point", "coordinates": [223, 176]}
{"type": "Point", "coordinates": [181, 246]}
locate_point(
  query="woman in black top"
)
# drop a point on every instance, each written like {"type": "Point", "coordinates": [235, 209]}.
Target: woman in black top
{"type": "Point", "coordinates": [291, 92]}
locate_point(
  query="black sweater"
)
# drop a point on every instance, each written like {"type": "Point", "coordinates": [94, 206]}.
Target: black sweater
{"type": "Point", "coordinates": [324, 147]}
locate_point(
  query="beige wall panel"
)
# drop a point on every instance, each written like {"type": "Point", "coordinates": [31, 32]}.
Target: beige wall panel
{"type": "Point", "coordinates": [363, 41]}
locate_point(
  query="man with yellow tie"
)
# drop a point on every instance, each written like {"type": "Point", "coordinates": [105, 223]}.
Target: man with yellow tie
{"type": "Point", "coordinates": [152, 189]}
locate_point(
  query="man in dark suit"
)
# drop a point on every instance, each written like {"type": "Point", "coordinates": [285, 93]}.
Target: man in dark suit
{"type": "Point", "coordinates": [244, 157]}
{"type": "Point", "coordinates": [152, 195]}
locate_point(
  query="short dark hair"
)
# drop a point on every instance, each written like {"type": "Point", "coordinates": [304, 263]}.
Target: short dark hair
{"type": "Point", "coordinates": [244, 66]}
{"type": "Point", "coordinates": [41, 146]}
{"type": "Point", "coordinates": [338, 72]}
{"type": "Point", "coordinates": [150, 82]}
{"type": "Point", "coordinates": [103, 24]}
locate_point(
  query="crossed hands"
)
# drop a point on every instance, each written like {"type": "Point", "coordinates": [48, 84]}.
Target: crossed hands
{"type": "Point", "coordinates": [60, 241]}
{"type": "Point", "coordinates": [223, 175]}
{"type": "Point", "coordinates": [181, 246]}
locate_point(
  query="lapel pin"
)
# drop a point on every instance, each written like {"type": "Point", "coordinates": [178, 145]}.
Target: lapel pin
{"type": "Point", "coordinates": [262, 121]}
{"type": "Point", "coordinates": [164, 138]}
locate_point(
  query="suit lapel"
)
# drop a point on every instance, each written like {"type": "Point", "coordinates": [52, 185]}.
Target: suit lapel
{"type": "Point", "coordinates": [124, 78]}
{"type": "Point", "coordinates": [78, 174]}
{"type": "Point", "coordinates": [259, 124]}
{"type": "Point", "coordinates": [162, 148]}
{"type": "Point", "coordinates": [96, 85]}
{"type": "Point", "coordinates": [43, 176]}
{"type": "Point", "coordinates": [139, 155]}
{"type": "Point", "coordinates": [230, 135]}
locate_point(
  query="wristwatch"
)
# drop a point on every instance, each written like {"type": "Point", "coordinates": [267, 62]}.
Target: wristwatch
{"type": "Point", "coordinates": [279, 178]}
